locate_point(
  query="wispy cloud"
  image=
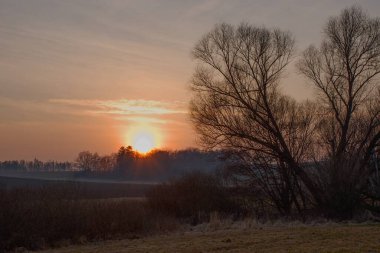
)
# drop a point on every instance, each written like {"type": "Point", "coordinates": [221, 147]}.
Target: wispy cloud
{"type": "Point", "coordinates": [123, 107]}
{"type": "Point", "coordinates": [144, 120]}
{"type": "Point", "coordinates": [70, 110]}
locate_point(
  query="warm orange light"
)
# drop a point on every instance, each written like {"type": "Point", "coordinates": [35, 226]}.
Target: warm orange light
{"type": "Point", "coordinates": [143, 137]}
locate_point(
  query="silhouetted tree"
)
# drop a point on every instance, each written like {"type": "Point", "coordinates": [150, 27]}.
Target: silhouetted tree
{"type": "Point", "coordinates": [237, 106]}
{"type": "Point", "coordinates": [124, 161]}
{"type": "Point", "coordinates": [88, 161]}
{"type": "Point", "coordinates": [343, 71]}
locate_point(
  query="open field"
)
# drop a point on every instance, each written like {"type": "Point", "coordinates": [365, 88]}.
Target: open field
{"type": "Point", "coordinates": [321, 238]}
{"type": "Point", "coordinates": [71, 176]}
{"type": "Point", "coordinates": [82, 189]}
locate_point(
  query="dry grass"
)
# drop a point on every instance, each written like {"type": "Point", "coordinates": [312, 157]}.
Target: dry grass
{"type": "Point", "coordinates": [272, 238]}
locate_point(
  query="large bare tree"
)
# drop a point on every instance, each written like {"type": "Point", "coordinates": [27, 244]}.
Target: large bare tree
{"type": "Point", "coordinates": [286, 147]}
{"type": "Point", "coordinates": [344, 71]}
{"type": "Point", "coordinates": [238, 106]}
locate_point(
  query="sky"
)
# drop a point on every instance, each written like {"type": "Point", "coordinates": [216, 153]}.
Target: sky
{"type": "Point", "coordinates": [92, 74]}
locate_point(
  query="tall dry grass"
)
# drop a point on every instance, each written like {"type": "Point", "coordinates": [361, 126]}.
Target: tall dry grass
{"type": "Point", "coordinates": [50, 217]}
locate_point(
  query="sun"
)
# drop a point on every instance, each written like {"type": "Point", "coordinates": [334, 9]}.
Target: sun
{"type": "Point", "coordinates": [143, 142]}
{"type": "Point", "coordinates": [143, 137]}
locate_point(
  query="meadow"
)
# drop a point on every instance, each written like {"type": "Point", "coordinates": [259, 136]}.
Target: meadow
{"type": "Point", "coordinates": [37, 213]}
{"type": "Point", "coordinates": [248, 236]}
{"type": "Point", "coordinates": [79, 189]}
{"type": "Point", "coordinates": [191, 214]}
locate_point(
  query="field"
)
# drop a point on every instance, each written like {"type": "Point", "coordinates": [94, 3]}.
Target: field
{"type": "Point", "coordinates": [276, 238]}
{"type": "Point", "coordinates": [65, 216]}
{"type": "Point", "coordinates": [83, 189]}
{"type": "Point", "coordinates": [40, 213]}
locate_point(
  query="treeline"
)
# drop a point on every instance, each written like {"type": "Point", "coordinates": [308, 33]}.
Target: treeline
{"type": "Point", "coordinates": [157, 165]}
{"type": "Point", "coordinates": [127, 164]}
{"type": "Point", "coordinates": [35, 165]}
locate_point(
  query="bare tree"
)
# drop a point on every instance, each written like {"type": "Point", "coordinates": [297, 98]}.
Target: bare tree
{"type": "Point", "coordinates": [343, 71]}
{"type": "Point", "coordinates": [87, 161]}
{"type": "Point", "coordinates": [238, 106]}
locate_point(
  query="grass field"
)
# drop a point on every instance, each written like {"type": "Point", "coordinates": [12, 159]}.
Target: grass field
{"type": "Point", "coordinates": [278, 238]}
{"type": "Point", "coordinates": [83, 189]}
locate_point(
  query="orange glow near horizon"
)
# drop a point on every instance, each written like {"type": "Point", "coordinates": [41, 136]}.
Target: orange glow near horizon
{"type": "Point", "coordinates": [144, 138]}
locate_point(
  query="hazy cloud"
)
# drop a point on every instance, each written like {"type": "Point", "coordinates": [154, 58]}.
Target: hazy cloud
{"type": "Point", "coordinates": [125, 106]}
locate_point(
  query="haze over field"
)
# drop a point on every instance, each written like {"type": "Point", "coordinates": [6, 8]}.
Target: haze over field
{"type": "Point", "coordinates": [95, 75]}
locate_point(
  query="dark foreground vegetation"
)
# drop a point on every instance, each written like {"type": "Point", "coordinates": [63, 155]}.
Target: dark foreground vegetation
{"type": "Point", "coordinates": [51, 214]}
{"type": "Point", "coordinates": [56, 215]}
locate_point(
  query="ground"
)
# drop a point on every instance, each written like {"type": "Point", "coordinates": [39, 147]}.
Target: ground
{"type": "Point", "coordinates": [273, 238]}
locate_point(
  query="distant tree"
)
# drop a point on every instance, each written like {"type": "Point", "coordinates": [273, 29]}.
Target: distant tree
{"type": "Point", "coordinates": [344, 71]}
{"type": "Point", "coordinates": [37, 165]}
{"type": "Point", "coordinates": [88, 161]}
{"type": "Point", "coordinates": [124, 160]}
{"type": "Point", "coordinates": [107, 163]}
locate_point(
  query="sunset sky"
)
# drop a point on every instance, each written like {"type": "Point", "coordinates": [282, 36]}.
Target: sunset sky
{"type": "Point", "coordinates": [95, 75]}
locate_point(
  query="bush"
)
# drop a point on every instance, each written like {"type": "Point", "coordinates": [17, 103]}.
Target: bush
{"type": "Point", "coordinates": [193, 197]}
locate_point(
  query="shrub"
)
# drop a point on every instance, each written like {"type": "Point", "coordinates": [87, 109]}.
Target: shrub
{"type": "Point", "coordinates": [193, 197]}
